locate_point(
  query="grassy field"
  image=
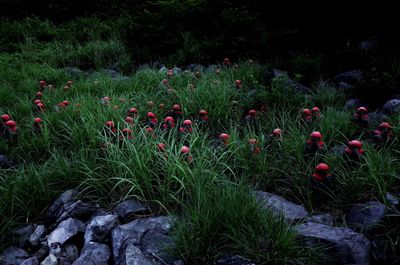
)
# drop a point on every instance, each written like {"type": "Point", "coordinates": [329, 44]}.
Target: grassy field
{"type": "Point", "coordinates": [211, 196]}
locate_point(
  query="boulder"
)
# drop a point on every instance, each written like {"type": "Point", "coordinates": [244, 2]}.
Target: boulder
{"type": "Point", "coordinates": [276, 73]}
{"type": "Point", "coordinates": [345, 246]}
{"type": "Point", "coordinates": [80, 210]}
{"type": "Point", "coordinates": [93, 253]}
{"type": "Point", "coordinates": [290, 211]}
{"type": "Point", "coordinates": [65, 230]}
{"type": "Point", "coordinates": [392, 107]}
{"type": "Point", "coordinates": [149, 235]}
{"type": "Point", "coordinates": [23, 233]}
{"type": "Point", "coordinates": [351, 77]}
{"type": "Point", "coordinates": [128, 209]}
{"type": "Point", "coordinates": [133, 256]}
{"type": "Point", "coordinates": [31, 261]}
{"type": "Point", "coordinates": [232, 260]}
{"type": "Point", "coordinates": [366, 215]}
{"type": "Point", "coordinates": [100, 227]}
{"type": "Point", "coordinates": [50, 260]}
{"type": "Point", "coordinates": [57, 208]}
{"type": "Point", "coordinates": [69, 254]}
{"type": "Point", "coordinates": [13, 256]}
{"type": "Point", "coordinates": [321, 218]}
{"type": "Point", "coordinates": [37, 235]}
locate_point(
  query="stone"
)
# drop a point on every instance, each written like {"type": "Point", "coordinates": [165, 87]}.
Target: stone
{"type": "Point", "coordinates": [100, 227]}
{"type": "Point", "coordinates": [232, 260]}
{"type": "Point", "coordinates": [321, 218]}
{"type": "Point", "coordinates": [278, 205]}
{"type": "Point", "coordinates": [36, 235]}
{"type": "Point", "coordinates": [55, 249]}
{"type": "Point", "coordinates": [133, 256]}
{"type": "Point", "coordinates": [392, 200]}
{"type": "Point", "coordinates": [115, 75]}
{"type": "Point", "coordinates": [93, 253]}
{"type": "Point", "coordinates": [80, 210]}
{"type": "Point", "coordinates": [57, 208]}
{"type": "Point", "coordinates": [74, 71]}
{"type": "Point", "coordinates": [350, 77]}
{"type": "Point", "coordinates": [276, 73]}
{"type": "Point", "coordinates": [31, 261]}
{"type": "Point", "coordinates": [43, 251]}
{"type": "Point", "coordinates": [23, 233]}
{"type": "Point", "coordinates": [13, 256]}
{"type": "Point", "coordinates": [65, 230]}
{"type": "Point", "coordinates": [50, 260]}
{"type": "Point", "coordinates": [347, 246]}
{"type": "Point", "coordinates": [150, 235]}
{"type": "Point", "coordinates": [69, 254]}
{"type": "Point", "coordinates": [392, 107]}
{"type": "Point", "coordinates": [366, 215]}
{"type": "Point", "coordinates": [128, 209]}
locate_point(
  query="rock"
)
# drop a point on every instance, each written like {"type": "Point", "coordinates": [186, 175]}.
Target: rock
{"type": "Point", "coordinates": [347, 246]}
{"type": "Point", "coordinates": [50, 260]}
{"type": "Point", "coordinates": [179, 262]}
{"type": "Point", "coordinates": [350, 77]}
{"type": "Point", "coordinates": [13, 256]}
{"type": "Point", "coordinates": [100, 227]}
{"type": "Point", "coordinates": [57, 208]}
{"type": "Point", "coordinates": [5, 162]}
{"type": "Point", "coordinates": [69, 254]}
{"type": "Point", "coordinates": [31, 261]}
{"type": "Point", "coordinates": [133, 256]}
{"type": "Point", "coordinates": [80, 210]}
{"type": "Point", "coordinates": [392, 107]}
{"type": "Point", "coordinates": [276, 73]}
{"type": "Point", "coordinates": [115, 75]}
{"type": "Point", "coordinates": [344, 86]}
{"type": "Point", "coordinates": [211, 69]}
{"type": "Point", "coordinates": [366, 215]}
{"type": "Point", "coordinates": [195, 67]}
{"type": "Point", "coordinates": [392, 200]}
{"type": "Point", "coordinates": [322, 218]}
{"type": "Point", "coordinates": [55, 249]}
{"type": "Point", "coordinates": [375, 118]}
{"type": "Point", "coordinates": [43, 251]}
{"type": "Point", "coordinates": [129, 208]}
{"type": "Point", "coordinates": [93, 254]}
{"type": "Point", "coordinates": [290, 211]}
{"type": "Point", "coordinates": [141, 233]}
{"type": "Point", "coordinates": [23, 233]}
{"type": "Point", "coordinates": [65, 230]}
{"type": "Point", "coordinates": [232, 260]}
{"type": "Point", "coordinates": [36, 235]}
{"type": "Point", "coordinates": [352, 104]}
{"type": "Point", "coordinates": [74, 71]}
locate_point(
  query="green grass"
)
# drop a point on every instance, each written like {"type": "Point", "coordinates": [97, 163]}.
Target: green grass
{"type": "Point", "coordinates": [210, 197]}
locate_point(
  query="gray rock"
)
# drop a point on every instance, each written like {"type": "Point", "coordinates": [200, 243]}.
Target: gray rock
{"type": "Point", "coordinates": [290, 211]}
{"type": "Point", "coordinates": [195, 67]}
{"type": "Point", "coordinates": [13, 256]}
{"type": "Point", "coordinates": [31, 261]}
{"type": "Point", "coordinates": [65, 230]}
{"type": "Point", "coordinates": [74, 71]}
{"type": "Point", "coordinates": [392, 200]}
{"type": "Point", "coordinates": [351, 104]}
{"type": "Point", "coordinates": [366, 215]}
{"type": "Point", "coordinates": [115, 75]}
{"type": "Point", "coordinates": [148, 234]}
{"type": "Point", "coordinates": [55, 249]}
{"type": "Point", "coordinates": [36, 235]}
{"type": "Point", "coordinates": [93, 254]}
{"type": "Point", "coordinates": [392, 107]}
{"type": "Point", "coordinates": [23, 233]}
{"type": "Point", "coordinates": [232, 260]}
{"type": "Point", "coordinates": [57, 208]}
{"type": "Point", "coordinates": [344, 86]}
{"type": "Point", "coordinates": [69, 254]}
{"type": "Point", "coordinates": [211, 69]}
{"type": "Point", "coordinates": [50, 260]}
{"type": "Point", "coordinates": [100, 227]}
{"type": "Point", "coordinates": [322, 218]}
{"type": "Point", "coordinates": [43, 251]}
{"type": "Point", "coordinates": [126, 210]}
{"type": "Point", "coordinates": [350, 77]}
{"type": "Point", "coordinates": [133, 256]}
{"type": "Point", "coordinates": [80, 210]}
{"type": "Point", "coordinates": [276, 73]}
{"type": "Point", "coordinates": [347, 246]}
